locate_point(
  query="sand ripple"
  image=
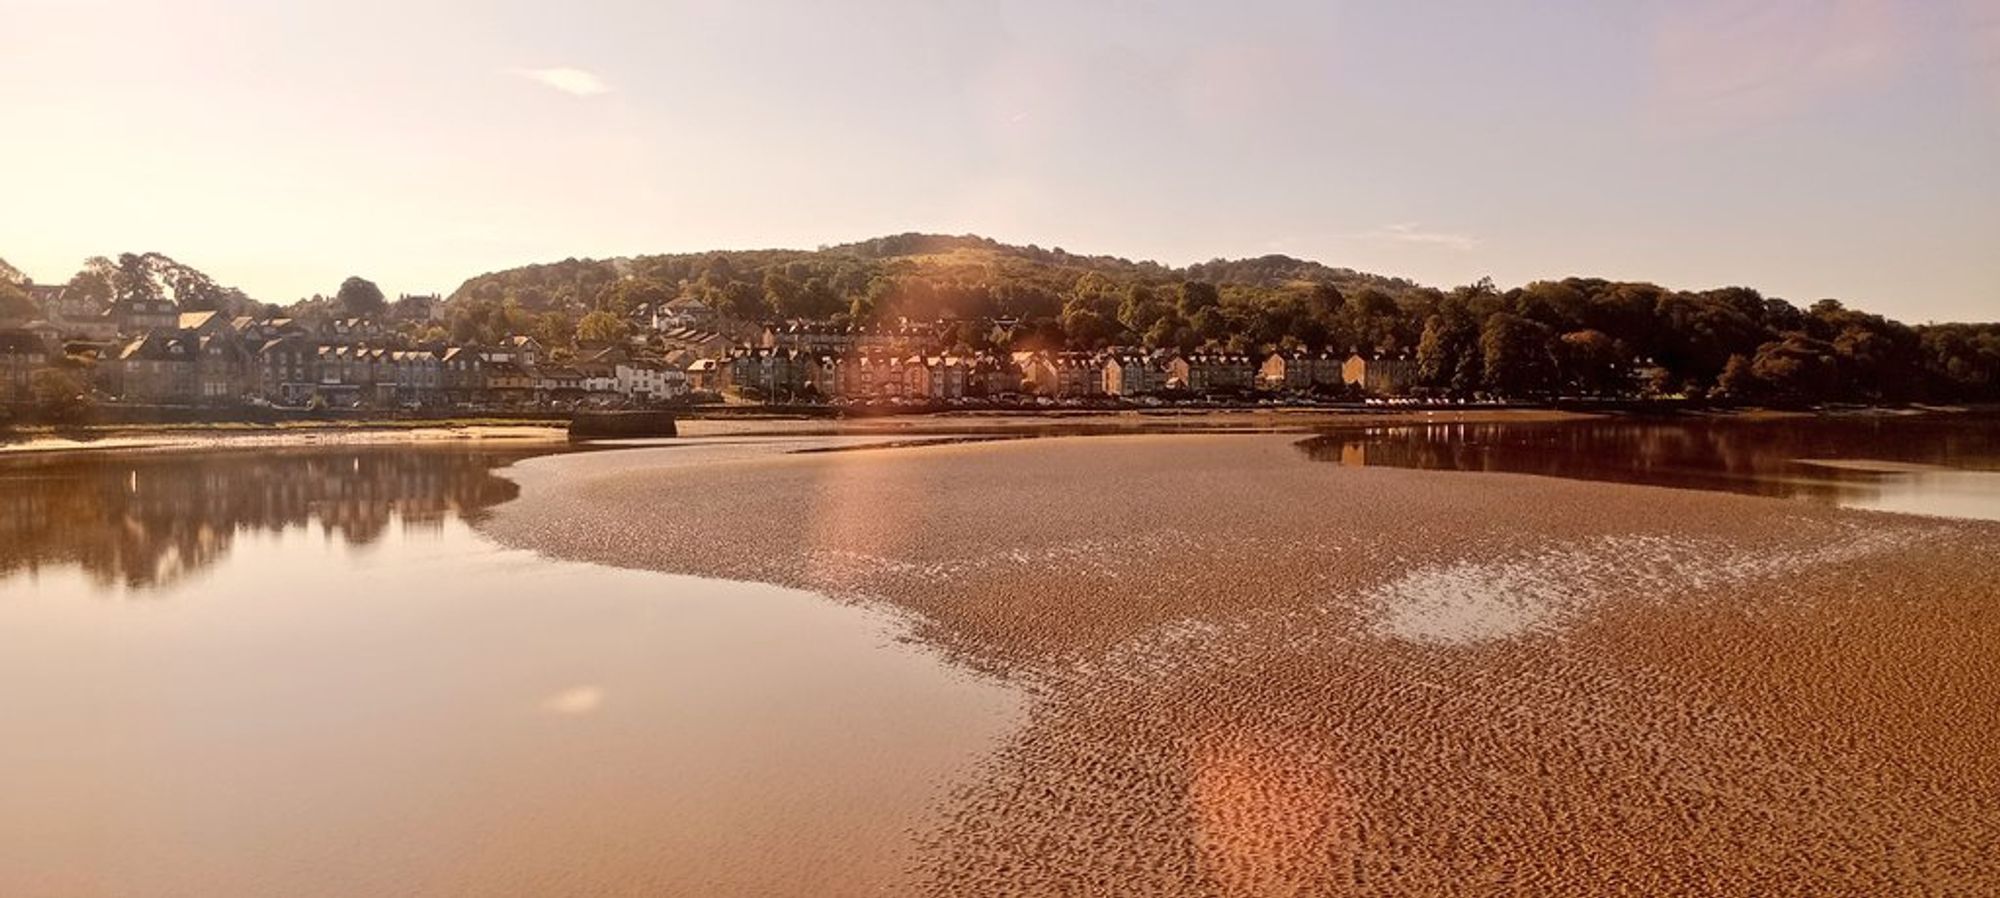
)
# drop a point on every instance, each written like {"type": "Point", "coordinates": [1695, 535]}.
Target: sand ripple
{"type": "Point", "coordinates": [1254, 675]}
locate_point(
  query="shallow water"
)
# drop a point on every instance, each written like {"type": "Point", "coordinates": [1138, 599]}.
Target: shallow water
{"type": "Point", "coordinates": [1944, 466]}
{"type": "Point", "coordinates": [304, 673]}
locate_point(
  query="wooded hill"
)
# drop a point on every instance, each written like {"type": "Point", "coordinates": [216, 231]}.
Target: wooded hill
{"type": "Point", "coordinates": [1575, 336]}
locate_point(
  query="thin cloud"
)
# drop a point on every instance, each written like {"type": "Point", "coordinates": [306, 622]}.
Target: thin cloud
{"type": "Point", "coordinates": [1725, 62]}
{"type": "Point", "coordinates": [1411, 232]}
{"type": "Point", "coordinates": [575, 82]}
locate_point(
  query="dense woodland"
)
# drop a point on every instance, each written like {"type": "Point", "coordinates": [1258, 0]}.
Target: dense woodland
{"type": "Point", "coordinates": [1577, 336]}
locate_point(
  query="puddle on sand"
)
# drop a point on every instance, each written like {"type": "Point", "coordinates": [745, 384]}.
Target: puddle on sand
{"type": "Point", "coordinates": [297, 711]}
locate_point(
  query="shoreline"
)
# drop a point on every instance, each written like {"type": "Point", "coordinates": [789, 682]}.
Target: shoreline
{"type": "Point", "coordinates": [1060, 422]}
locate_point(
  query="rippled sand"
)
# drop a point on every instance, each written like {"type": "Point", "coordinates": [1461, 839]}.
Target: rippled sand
{"type": "Point", "coordinates": [1257, 675]}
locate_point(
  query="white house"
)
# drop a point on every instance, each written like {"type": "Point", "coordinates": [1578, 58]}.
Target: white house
{"type": "Point", "coordinates": [650, 380]}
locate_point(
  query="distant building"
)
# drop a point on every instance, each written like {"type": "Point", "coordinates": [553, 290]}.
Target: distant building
{"type": "Point", "coordinates": [21, 355]}
{"type": "Point", "coordinates": [1133, 374]}
{"type": "Point", "coordinates": [647, 380]}
{"type": "Point", "coordinates": [1381, 375]}
{"type": "Point", "coordinates": [132, 317]}
{"type": "Point", "coordinates": [285, 370]}
{"type": "Point", "coordinates": [707, 375]}
{"type": "Point", "coordinates": [159, 367]}
{"type": "Point", "coordinates": [463, 374]}
{"type": "Point", "coordinates": [1299, 372]}
{"type": "Point", "coordinates": [1217, 372]}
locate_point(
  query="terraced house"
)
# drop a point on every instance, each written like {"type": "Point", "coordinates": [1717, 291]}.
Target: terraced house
{"type": "Point", "coordinates": [1299, 372]}
{"type": "Point", "coordinates": [158, 368]}
{"type": "Point", "coordinates": [1380, 374]}
{"type": "Point", "coordinates": [1133, 374]}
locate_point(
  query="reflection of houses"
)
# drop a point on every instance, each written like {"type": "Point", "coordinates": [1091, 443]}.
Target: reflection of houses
{"type": "Point", "coordinates": [1381, 375]}
{"type": "Point", "coordinates": [146, 521]}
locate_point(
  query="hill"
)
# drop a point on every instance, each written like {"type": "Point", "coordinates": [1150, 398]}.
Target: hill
{"type": "Point", "coordinates": [1574, 335]}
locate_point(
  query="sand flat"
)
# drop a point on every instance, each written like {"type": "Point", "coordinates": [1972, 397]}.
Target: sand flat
{"type": "Point", "coordinates": [1257, 675]}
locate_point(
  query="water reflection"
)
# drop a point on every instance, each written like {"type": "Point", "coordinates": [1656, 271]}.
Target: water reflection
{"type": "Point", "coordinates": [153, 520]}
{"type": "Point", "coordinates": [361, 695]}
{"type": "Point", "coordinates": [1948, 466]}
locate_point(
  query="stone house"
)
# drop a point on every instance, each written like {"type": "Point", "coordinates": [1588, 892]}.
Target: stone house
{"type": "Point", "coordinates": [1133, 374]}
{"type": "Point", "coordinates": [1380, 375]}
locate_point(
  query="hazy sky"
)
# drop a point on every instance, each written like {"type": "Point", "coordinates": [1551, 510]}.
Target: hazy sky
{"type": "Point", "coordinates": [1808, 148]}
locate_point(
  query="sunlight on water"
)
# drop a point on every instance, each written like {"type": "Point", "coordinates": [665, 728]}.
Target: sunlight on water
{"type": "Point", "coordinates": [250, 671]}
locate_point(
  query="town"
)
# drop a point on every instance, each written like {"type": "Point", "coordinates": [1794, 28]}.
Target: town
{"type": "Point", "coordinates": [150, 352]}
{"type": "Point", "coordinates": [918, 322]}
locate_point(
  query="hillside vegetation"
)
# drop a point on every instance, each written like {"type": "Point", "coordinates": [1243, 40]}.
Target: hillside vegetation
{"type": "Point", "coordinates": [1576, 335]}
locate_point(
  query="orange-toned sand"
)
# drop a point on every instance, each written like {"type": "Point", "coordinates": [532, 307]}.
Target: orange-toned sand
{"type": "Point", "coordinates": [1254, 674]}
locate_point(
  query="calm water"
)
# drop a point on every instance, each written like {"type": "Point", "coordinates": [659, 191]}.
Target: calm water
{"type": "Point", "coordinates": [304, 673]}
{"type": "Point", "coordinates": [1945, 466]}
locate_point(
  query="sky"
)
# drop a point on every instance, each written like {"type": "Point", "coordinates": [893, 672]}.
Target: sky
{"type": "Point", "coordinates": [1807, 148]}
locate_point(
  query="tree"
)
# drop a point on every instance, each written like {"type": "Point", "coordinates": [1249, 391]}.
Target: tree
{"type": "Point", "coordinates": [601, 327]}
{"type": "Point", "coordinates": [1198, 296]}
{"type": "Point", "coordinates": [1516, 354]}
{"type": "Point", "coordinates": [553, 329]}
{"type": "Point", "coordinates": [1588, 361]}
{"type": "Point", "coordinates": [625, 295]}
{"type": "Point", "coordinates": [11, 275]}
{"type": "Point", "coordinates": [132, 278]}
{"type": "Point", "coordinates": [93, 282]}
{"type": "Point", "coordinates": [783, 295]}
{"type": "Point", "coordinates": [358, 297]}
{"type": "Point", "coordinates": [744, 301]}
{"type": "Point", "coordinates": [1737, 382]}
{"type": "Point", "coordinates": [1796, 367]}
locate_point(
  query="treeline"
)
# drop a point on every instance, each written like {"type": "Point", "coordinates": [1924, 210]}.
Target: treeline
{"type": "Point", "coordinates": [1577, 336]}
{"type": "Point", "coordinates": [153, 275]}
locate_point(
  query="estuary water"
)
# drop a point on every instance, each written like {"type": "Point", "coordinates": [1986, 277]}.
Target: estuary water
{"type": "Point", "coordinates": [1938, 465]}
{"type": "Point", "coordinates": [303, 672]}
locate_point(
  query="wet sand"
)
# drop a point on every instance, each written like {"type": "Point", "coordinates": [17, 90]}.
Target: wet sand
{"type": "Point", "coordinates": [1253, 674]}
